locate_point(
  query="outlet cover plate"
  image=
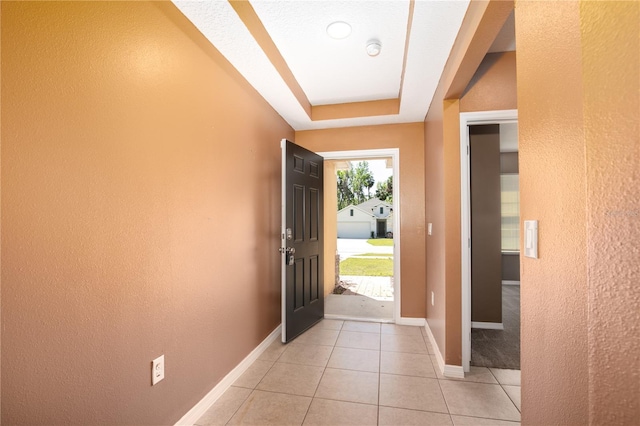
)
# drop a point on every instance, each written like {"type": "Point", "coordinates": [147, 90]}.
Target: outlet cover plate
{"type": "Point", "coordinates": [157, 370]}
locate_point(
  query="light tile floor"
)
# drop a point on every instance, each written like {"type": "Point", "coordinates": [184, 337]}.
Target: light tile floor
{"type": "Point", "coordinates": [354, 373]}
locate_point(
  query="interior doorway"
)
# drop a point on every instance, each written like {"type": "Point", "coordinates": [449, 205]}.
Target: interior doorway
{"type": "Point", "coordinates": [490, 231]}
{"type": "Point", "coordinates": [365, 258]}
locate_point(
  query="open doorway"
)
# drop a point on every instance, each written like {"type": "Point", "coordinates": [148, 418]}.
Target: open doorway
{"type": "Point", "coordinates": [364, 259]}
{"type": "Point", "coordinates": [490, 246]}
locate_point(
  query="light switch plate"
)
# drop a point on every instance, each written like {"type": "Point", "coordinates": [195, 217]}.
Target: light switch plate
{"type": "Point", "coordinates": [531, 238]}
{"type": "Point", "coordinates": [429, 228]}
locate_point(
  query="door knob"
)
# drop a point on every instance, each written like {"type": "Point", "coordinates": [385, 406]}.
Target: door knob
{"type": "Point", "coordinates": [290, 252]}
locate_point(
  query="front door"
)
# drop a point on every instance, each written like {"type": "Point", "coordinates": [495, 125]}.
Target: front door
{"type": "Point", "coordinates": [302, 240]}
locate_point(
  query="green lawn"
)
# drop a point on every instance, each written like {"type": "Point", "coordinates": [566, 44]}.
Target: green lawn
{"type": "Point", "coordinates": [367, 267]}
{"type": "Point", "coordinates": [381, 241]}
{"type": "Point", "coordinates": [376, 254]}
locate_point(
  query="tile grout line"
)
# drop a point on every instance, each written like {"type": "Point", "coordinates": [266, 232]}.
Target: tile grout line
{"type": "Point", "coordinates": [333, 347]}
{"type": "Point", "coordinates": [505, 391]}
{"type": "Point", "coordinates": [488, 418]}
{"type": "Point", "coordinates": [482, 383]}
{"type": "Point", "coordinates": [379, 389]}
{"type": "Point", "coordinates": [509, 396]}
{"type": "Point", "coordinates": [252, 389]}
{"type": "Point", "coordinates": [445, 400]}
{"type": "Point", "coordinates": [239, 406]}
{"type": "Point", "coordinates": [280, 393]}
{"type": "Point", "coordinates": [446, 404]}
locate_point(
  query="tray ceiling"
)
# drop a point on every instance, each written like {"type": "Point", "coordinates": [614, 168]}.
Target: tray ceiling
{"type": "Point", "coordinates": [314, 81]}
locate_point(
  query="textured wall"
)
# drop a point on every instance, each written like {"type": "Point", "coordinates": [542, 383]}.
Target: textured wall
{"type": "Point", "coordinates": [140, 213]}
{"type": "Point", "coordinates": [552, 190]}
{"type": "Point", "coordinates": [409, 138]}
{"type": "Point", "coordinates": [579, 97]}
{"type": "Point", "coordinates": [611, 82]}
{"type": "Point", "coordinates": [492, 86]}
{"type": "Point", "coordinates": [611, 76]}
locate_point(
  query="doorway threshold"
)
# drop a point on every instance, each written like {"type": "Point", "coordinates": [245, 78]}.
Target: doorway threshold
{"type": "Point", "coordinates": [349, 318]}
{"type": "Point", "coordinates": [360, 308]}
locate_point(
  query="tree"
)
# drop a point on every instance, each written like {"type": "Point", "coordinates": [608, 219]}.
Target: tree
{"type": "Point", "coordinates": [345, 194]}
{"type": "Point", "coordinates": [384, 190]}
{"type": "Point", "coordinates": [352, 184]}
{"type": "Point", "coordinates": [363, 178]}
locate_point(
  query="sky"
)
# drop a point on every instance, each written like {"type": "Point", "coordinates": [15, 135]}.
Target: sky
{"type": "Point", "coordinates": [379, 170]}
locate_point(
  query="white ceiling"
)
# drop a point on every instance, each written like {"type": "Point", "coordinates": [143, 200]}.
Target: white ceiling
{"type": "Point", "coordinates": [338, 71]}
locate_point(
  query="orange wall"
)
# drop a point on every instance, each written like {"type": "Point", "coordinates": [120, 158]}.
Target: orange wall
{"type": "Point", "coordinates": [552, 190]}
{"type": "Point", "coordinates": [330, 226]}
{"type": "Point", "coordinates": [435, 243]}
{"type": "Point", "coordinates": [578, 98]}
{"type": "Point", "coordinates": [496, 75]}
{"type": "Point", "coordinates": [611, 76]}
{"type": "Point", "coordinates": [492, 86]}
{"type": "Point", "coordinates": [409, 139]}
{"type": "Point", "coordinates": [140, 213]}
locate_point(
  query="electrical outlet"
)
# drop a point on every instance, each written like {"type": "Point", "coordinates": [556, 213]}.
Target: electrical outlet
{"type": "Point", "coordinates": [433, 299]}
{"type": "Point", "coordinates": [157, 370]}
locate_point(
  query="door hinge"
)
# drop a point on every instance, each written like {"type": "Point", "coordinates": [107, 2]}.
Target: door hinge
{"type": "Point", "coordinates": [469, 242]}
{"type": "Point", "coordinates": [467, 149]}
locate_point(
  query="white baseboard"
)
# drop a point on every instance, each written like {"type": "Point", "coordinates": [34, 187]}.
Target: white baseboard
{"type": "Point", "coordinates": [418, 322]}
{"type": "Point", "coordinates": [210, 398]}
{"type": "Point", "coordinates": [487, 325]}
{"type": "Point", "coordinates": [446, 370]}
{"type": "Point", "coordinates": [454, 371]}
{"type": "Point", "coordinates": [510, 282]}
{"type": "Point", "coordinates": [436, 349]}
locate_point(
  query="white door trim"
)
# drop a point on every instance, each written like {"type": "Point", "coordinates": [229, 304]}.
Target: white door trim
{"type": "Point", "coordinates": [394, 153]}
{"type": "Point", "coordinates": [467, 119]}
{"type": "Point", "coordinates": [283, 242]}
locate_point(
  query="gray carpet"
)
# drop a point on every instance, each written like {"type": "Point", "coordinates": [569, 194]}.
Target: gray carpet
{"type": "Point", "coordinates": [500, 348]}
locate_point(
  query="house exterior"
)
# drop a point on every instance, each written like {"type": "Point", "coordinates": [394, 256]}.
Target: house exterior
{"type": "Point", "coordinates": [126, 135]}
{"type": "Point", "coordinates": [373, 218]}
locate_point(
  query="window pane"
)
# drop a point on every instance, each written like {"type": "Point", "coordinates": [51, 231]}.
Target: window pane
{"type": "Point", "coordinates": [510, 199]}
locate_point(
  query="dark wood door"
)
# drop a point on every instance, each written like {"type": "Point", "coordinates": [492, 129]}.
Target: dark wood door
{"type": "Point", "coordinates": [302, 240]}
{"type": "Point", "coordinates": [486, 253]}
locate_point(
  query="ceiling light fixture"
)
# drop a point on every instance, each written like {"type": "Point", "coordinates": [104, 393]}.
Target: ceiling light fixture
{"type": "Point", "coordinates": [339, 30]}
{"type": "Point", "coordinates": [373, 47]}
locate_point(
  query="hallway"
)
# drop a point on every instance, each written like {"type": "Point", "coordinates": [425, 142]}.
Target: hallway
{"type": "Point", "coordinates": [359, 373]}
